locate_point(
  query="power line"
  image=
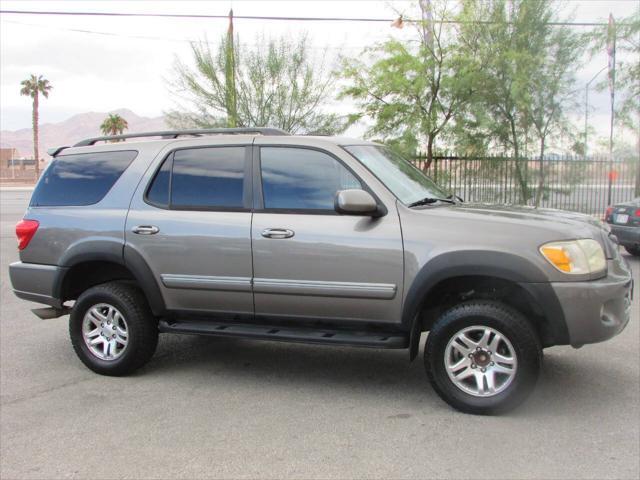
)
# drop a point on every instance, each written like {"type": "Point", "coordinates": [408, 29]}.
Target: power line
{"type": "Point", "coordinates": [276, 18]}
{"type": "Point", "coordinates": [169, 39]}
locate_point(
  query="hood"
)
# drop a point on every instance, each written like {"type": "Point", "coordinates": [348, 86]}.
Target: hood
{"type": "Point", "coordinates": [532, 214]}
{"type": "Point", "coordinates": [538, 224]}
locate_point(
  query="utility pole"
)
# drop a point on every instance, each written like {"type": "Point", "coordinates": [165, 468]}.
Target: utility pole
{"type": "Point", "coordinates": [426, 8]}
{"type": "Point", "coordinates": [611, 51]}
{"type": "Point", "coordinates": [637, 189]}
{"type": "Point", "coordinates": [586, 110]}
{"type": "Point", "coordinates": [230, 76]}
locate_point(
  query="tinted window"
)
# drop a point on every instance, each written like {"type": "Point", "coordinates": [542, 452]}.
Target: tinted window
{"type": "Point", "coordinates": [296, 178]}
{"type": "Point", "coordinates": [407, 182]}
{"type": "Point", "coordinates": [80, 179]}
{"type": "Point", "coordinates": [159, 191]}
{"type": "Point", "coordinates": [208, 177]}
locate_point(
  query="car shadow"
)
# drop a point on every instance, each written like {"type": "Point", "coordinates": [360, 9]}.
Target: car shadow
{"type": "Point", "coordinates": [278, 365]}
{"type": "Point", "coordinates": [567, 381]}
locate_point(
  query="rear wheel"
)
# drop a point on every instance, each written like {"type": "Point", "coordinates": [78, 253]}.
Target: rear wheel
{"type": "Point", "coordinates": [482, 357]}
{"type": "Point", "coordinates": [635, 251]}
{"type": "Point", "coordinates": [112, 329]}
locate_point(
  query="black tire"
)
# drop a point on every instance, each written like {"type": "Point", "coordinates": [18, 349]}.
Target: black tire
{"type": "Point", "coordinates": [635, 251]}
{"type": "Point", "coordinates": [142, 328]}
{"type": "Point", "coordinates": [512, 325]}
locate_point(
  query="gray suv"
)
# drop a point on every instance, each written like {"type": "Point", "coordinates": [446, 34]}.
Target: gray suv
{"type": "Point", "coordinates": [259, 234]}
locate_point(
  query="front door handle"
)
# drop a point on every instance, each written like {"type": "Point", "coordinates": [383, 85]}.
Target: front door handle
{"type": "Point", "coordinates": [145, 229]}
{"type": "Point", "coordinates": [277, 233]}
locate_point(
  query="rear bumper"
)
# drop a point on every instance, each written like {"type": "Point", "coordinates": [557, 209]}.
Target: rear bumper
{"type": "Point", "coordinates": [597, 310]}
{"type": "Point", "coordinates": [34, 282]}
{"type": "Point", "coordinates": [627, 236]}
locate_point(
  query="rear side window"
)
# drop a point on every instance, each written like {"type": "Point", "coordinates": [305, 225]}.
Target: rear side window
{"type": "Point", "coordinates": [200, 178]}
{"type": "Point", "coordinates": [83, 179]}
{"type": "Point", "coordinates": [158, 193]}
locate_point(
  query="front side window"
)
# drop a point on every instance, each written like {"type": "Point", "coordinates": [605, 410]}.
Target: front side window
{"type": "Point", "coordinates": [200, 178]}
{"type": "Point", "coordinates": [404, 180]}
{"type": "Point", "coordinates": [302, 179]}
{"type": "Point", "coordinates": [82, 179]}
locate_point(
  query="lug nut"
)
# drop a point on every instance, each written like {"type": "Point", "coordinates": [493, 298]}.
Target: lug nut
{"type": "Point", "coordinates": [492, 364]}
{"type": "Point", "coordinates": [102, 324]}
{"type": "Point", "coordinates": [471, 355]}
{"type": "Point", "coordinates": [473, 365]}
{"type": "Point", "coordinates": [483, 369]}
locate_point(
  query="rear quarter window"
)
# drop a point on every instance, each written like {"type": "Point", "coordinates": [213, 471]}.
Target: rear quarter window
{"type": "Point", "coordinates": [82, 179]}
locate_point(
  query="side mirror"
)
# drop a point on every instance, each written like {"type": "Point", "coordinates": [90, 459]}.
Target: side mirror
{"type": "Point", "coordinates": [356, 202]}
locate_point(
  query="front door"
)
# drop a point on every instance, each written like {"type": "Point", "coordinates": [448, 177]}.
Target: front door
{"type": "Point", "coordinates": [190, 220]}
{"type": "Point", "coordinates": [310, 262]}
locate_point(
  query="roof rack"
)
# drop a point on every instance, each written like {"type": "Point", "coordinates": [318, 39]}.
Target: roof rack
{"type": "Point", "coordinates": [179, 133]}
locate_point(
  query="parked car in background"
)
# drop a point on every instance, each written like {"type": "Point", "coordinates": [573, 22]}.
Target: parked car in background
{"type": "Point", "coordinates": [624, 219]}
{"type": "Point", "coordinates": [260, 234]}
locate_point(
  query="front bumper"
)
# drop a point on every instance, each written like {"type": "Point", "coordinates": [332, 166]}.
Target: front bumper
{"type": "Point", "coordinates": [35, 282]}
{"type": "Point", "coordinates": [597, 310]}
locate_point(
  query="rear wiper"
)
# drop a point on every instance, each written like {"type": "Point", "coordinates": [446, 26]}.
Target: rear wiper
{"type": "Point", "coordinates": [430, 200]}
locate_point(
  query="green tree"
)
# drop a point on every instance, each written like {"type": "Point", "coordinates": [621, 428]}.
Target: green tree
{"type": "Point", "coordinates": [277, 84]}
{"type": "Point", "coordinates": [523, 70]}
{"type": "Point", "coordinates": [627, 108]}
{"type": "Point", "coordinates": [413, 90]}
{"type": "Point", "coordinates": [552, 90]}
{"type": "Point", "coordinates": [114, 124]}
{"type": "Point", "coordinates": [627, 67]}
{"type": "Point", "coordinates": [33, 87]}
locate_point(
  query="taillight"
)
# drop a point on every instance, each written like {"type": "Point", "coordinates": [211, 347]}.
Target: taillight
{"type": "Point", "coordinates": [637, 214]}
{"type": "Point", "coordinates": [608, 212]}
{"type": "Point", "coordinates": [25, 230]}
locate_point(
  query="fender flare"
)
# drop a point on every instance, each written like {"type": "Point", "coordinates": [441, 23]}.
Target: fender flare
{"type": "Point", "coordinates": [505, 266]}
{"type": "Point", "coordinates": [114, 251]}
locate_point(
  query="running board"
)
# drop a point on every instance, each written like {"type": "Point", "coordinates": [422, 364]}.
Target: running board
{"type": "Point", "coordinates": [288, 334]}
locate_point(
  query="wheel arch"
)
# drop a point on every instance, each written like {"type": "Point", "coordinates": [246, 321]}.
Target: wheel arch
{"type": "Point", "coordinates": [93, 262]}
{"type": "Point", "coordinates": [461, 269]}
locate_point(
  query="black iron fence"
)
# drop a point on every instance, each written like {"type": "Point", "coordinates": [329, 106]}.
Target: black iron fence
{"type": "Point", "coordinates": [569, 183]}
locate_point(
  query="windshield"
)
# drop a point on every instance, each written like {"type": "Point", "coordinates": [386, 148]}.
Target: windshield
{"type": "Point", "coordinates": [405, 181]}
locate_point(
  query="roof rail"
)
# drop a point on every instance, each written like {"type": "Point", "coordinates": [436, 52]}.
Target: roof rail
{"type": "Point", "coordinates": [180, 133]}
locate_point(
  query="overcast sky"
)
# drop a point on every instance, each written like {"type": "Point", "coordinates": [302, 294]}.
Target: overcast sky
{"type": "Point", "coordinates": [126, 62]}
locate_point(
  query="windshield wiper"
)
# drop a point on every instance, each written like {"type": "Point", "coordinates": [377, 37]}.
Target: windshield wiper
{"type": "Point", "coordinates": [430, 200]}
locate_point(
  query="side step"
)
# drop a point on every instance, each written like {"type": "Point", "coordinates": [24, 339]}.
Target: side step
{"type": "Point", "coordinates": [288, 334]}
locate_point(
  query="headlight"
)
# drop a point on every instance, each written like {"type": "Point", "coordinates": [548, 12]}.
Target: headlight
{"type": "Point", "coordinates": [575, 257]}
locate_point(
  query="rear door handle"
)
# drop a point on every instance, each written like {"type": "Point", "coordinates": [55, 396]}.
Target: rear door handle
{"type": "Point", "coordinates": [145, 229]}
{"type": "Point", "coordinates": [277, 233]}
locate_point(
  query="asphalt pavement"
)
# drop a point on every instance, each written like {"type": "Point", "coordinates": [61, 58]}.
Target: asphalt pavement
{"type": "Point", "coordinates": [221, 408]}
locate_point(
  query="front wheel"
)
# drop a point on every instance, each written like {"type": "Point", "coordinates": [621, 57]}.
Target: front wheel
{"type": "Point", "coordinates": [482, 357]}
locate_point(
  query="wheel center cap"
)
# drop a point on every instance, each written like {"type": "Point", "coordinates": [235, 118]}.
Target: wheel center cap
{"type": "Point", "coordinates": [481, 358]}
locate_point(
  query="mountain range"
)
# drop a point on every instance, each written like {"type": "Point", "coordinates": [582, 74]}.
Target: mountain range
{"type": "Point", "coordinates": [74, 129]}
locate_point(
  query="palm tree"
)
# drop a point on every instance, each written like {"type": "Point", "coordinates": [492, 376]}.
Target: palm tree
{"type": "Point", "coordinates": [33, 87]}
{"type": "Point", "coordinates": [114, 124]}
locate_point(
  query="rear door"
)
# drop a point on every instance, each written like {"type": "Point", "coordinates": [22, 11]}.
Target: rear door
{"type": "Point", "coordinates": [190, 220]}
{"type": "Point", "coordinates": [310, 263]}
